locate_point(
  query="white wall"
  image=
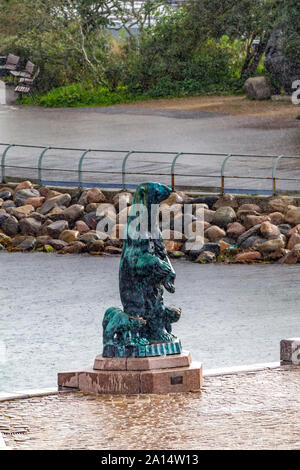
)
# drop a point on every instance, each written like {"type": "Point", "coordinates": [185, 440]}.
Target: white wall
{"type": "Point", "coordinates": [2, 93]}
{"type": "Point", "coordinates": [7, 94]}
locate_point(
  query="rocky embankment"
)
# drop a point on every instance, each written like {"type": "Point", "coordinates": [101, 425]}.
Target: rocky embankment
{"type": "Point", "coordinates": [41, 219]}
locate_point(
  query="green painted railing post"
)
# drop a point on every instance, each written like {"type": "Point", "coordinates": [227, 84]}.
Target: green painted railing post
{"type": "Point", "coordinates": [124, 168]}
{"type": "Point", "coordinates": [80, 167]}
{"type": "Point", "coordinates": [40, 168]}
{"type": "Point", "coordinates": [173, 169]}
{"type": "Point", "coordinates": [274, 168]}
{"type": "Point", "coordinates": [222, 172]}
{"type": "Point", "coordinates": [3, 161]}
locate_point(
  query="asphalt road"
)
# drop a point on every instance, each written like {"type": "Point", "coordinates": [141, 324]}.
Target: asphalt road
{"type": "Point", "coordinates": [52, 308]}
{"type": "Point", "coordinates": [145, 129]}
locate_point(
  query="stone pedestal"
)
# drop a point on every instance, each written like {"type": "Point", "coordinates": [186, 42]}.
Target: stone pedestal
{"type": "Point", "coordinates": [290, 351]}
{"type": "Point", "coordinates": [161, 374]}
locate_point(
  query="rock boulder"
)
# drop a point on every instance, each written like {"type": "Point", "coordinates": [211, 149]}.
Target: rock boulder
{"type": "Point", "coordinates": [257, 88]}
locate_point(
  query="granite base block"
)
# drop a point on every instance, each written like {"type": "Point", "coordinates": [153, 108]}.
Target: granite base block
{"type": "Point", "coordinates": [116, 382]}
{"type": "Point", "coordinates": [290, 351]}
{"type": "Point", "coordinates": [142, 363]}
{"type": "Point", "coordinates": [164, 374]}
{"type": "Point", "coordinates": [177, 380]}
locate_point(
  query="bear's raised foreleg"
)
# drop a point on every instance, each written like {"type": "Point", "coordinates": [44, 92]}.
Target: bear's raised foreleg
{"type": "Point", "coordinates": [151, 265]}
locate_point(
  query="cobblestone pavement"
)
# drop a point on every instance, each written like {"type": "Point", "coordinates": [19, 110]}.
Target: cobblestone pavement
{"type": "Point", "coordinates": [257, 410]}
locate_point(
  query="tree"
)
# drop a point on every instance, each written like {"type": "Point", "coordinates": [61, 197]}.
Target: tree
{"type": "Point", "coordinates": [130, 14]}
{"type": "Point", "coordinates": [291, 29]}
{"type": "Point", "coordinates": [251, 21]}
{"type": "Point", "coordinates": [170, 58]}
{"type": "Point", "coordinates": [70, 39]}
{"type": "Point", "coordinates": [67, 38]}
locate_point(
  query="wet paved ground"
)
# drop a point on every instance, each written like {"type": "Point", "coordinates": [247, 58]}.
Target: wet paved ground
{"type": "Point", "coordinates": [151, 129]}
{"type": "Point", "coordinates": [52, 307]}
{"type": "Point", "coordinates": [258, 410]}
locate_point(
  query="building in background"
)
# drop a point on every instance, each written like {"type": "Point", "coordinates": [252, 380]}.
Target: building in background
{"type": "Point", "coordinates": [138, 4]}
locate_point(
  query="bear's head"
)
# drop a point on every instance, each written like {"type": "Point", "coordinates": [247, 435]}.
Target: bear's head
{"type": "Point", "coordinates": [152, 193]}
{"type": "Point", "coordinates": [144, 211]}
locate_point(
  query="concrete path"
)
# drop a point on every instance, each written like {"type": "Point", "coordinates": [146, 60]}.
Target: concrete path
{"type": "Point", "coordinates": [150, 129]}
{"type": "Point", "coordinates": [255, 410]}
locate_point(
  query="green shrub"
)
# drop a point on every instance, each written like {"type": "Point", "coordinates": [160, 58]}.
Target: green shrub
{"type": "Point", "coordinates": [170, 60]}
{"type": "Point", "coordinates": [81, 94]}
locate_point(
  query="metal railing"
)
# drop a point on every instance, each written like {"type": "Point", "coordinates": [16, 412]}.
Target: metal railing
{"type": "Point", "coordinates": [123, 171]}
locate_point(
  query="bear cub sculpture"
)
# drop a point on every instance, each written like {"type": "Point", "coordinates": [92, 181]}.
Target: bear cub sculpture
{"type": "Point", "coordinates": [145, 270]}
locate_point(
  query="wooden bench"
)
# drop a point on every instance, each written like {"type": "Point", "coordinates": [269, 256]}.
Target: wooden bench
{"type": "Point", "coordinates": [11, 62]}
{"type": "Point", "coordinates": [25, 84]}
{"type": "Point", "coordinates": [26, 73]}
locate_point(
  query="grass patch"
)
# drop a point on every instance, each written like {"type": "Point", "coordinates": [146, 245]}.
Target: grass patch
{"type": "Point", "coordinates": [80, 94]}
{"type": "Point", "coordinates": [85, 94]}
{"type": "Point", "coordinates": [298, 117]}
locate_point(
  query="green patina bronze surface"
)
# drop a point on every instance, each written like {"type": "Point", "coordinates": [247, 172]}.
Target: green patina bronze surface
{"type": "Point", "coordinates": [144, 326]}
